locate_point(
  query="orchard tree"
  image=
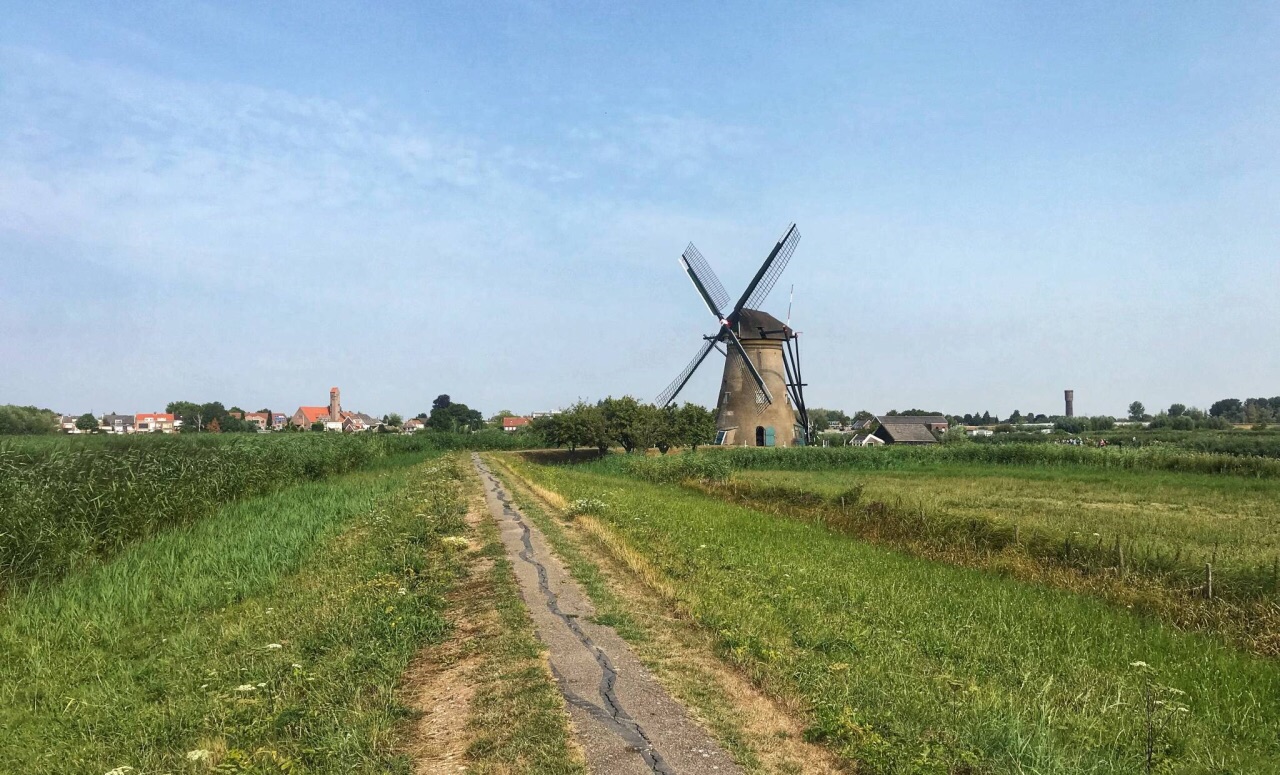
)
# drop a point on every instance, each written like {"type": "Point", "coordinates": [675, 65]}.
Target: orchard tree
{"type": "Point", "coordinates": [696, 425]}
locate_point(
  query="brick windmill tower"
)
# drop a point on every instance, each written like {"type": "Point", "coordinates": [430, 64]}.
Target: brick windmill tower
{"type": "Point", "coordinates": [761, 401]}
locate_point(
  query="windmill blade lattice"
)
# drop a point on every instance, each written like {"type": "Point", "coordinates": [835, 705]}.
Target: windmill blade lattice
{"type": "Point", "coordinates": [786, 247]}
{"type": "Point", "coordinates": [666, 396]}
{"type": "Point", "coordinates": [699, 266]}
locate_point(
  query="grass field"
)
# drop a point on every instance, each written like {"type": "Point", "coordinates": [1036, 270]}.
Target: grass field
{"type": "Point", "coordinates": [909, 665]}
{"type": "Point", "coordinates": [269, 636]}
{"type": "Point", "coordinates": [1232, 521]}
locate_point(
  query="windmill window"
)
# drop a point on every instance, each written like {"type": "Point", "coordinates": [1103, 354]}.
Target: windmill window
{"type": "Point", "coordinates": [720, 437]}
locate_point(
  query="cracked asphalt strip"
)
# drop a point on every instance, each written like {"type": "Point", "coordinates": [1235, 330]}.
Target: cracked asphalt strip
{"type": "Point", "coordinates": [625, 721]}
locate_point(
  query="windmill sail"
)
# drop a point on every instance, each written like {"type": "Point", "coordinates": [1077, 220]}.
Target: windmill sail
{"type": "Point", "coordinates": [668, 395]}
{"type": "Point", "coordinates": [703, 276]}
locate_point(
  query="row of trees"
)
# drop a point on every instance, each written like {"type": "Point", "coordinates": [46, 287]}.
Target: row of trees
{"type": "Point", "coordinates": [211, 417]}
{"type": "Point", "coordinates": [628, 423]}
{"type": "Point", "coordinates": [27, 421]}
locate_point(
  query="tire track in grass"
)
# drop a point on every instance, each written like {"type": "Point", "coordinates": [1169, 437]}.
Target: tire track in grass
{"type": "Point", "coordinates": [673, 733]}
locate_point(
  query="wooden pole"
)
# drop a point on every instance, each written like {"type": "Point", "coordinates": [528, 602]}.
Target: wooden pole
{"type": "Point", "coordinates": [1208, 580]}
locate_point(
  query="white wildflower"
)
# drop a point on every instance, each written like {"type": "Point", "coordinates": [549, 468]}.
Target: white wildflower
{"type": "Point", "coordinates": [262, 686]}
{"type": "Point", "coordinates": [402, 591]}
{"type": "Point", "coordinates": [270, 610]}
{"type": "Point", "coordinates": [1139, 664]}
{"type": "Point", "coordinates": [199, 754]}
{"type": "Point", "coordinates": [297, 666]}
{"type": "Point", "coordinates": [245, 688]}
{"type": "Point", "coordinates": [273, 646]}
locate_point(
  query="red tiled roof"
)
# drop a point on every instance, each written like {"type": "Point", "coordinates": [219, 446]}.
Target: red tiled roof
{"type": "Point", "coordinates": [313, 413]}
{"type": "Point", "coordinates": [157, 416]}
{"type": "Point", "coordinates": [514, 422]}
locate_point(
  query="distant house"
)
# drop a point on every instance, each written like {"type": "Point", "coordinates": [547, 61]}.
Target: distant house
{"type": "Point", "coordinates": [260, 419]}
{"type": "Point", "coordinates": [513, 424]}
{"type": "Point", "coordinates": [117, 423]}
{"type": "Point", "coordinates": [981, 432]}
{"type": "Point", "coordinates": [279, 420]}
{"type": "Point", "coordinates": [67, 424]}
{"type": "Point", "coordinates": [354, 422]}
{"type": "Point", "coordinates": [865, 440]}
{"type": "Point", "coordinates": [862, 425]}
{"type": "Point", "coordinates": [307, 415]}
{"type": "Point", "coordinates": [908, 429]}
{"type": "Point", "coordinates": [149, 422]}
{"type": "Point", "coordinates": [413, 424]}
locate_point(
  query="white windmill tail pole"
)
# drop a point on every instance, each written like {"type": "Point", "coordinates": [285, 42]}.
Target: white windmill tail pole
{"type": "Point", "coordinates": [790, 299]}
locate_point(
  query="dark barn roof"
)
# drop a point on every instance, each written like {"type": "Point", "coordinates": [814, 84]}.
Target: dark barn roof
{"type": "Point", "coordinates": [912, 419]}
{"type": "Point", "coordinates": [906, 433]}
{"type": "Point", "coordinates": [751, 321]}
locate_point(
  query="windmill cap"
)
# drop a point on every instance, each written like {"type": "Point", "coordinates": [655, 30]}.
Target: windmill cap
{"type": "Point", "coordinates": [751, 321]}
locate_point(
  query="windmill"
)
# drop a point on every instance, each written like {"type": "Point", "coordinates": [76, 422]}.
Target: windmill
{"type": "Point", "coordinates": [761, 401]}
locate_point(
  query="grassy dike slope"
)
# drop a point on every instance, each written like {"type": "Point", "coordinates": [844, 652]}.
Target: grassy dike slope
{"type": "Point", "coordinates": [268, 637]}
{"type": "Point", "coordinates": [914, 666]}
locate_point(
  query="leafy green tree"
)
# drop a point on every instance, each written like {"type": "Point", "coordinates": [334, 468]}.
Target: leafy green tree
{"type": "Point", "coordinates": [496, 420]}
{"type": "Point", "coordinates": [449, 417]}
{"type": "Point", "coordinates": [188, 413]}
{"type": "Point", "coordinates": [1101, 423]}
{"type": "Point", "coordinates": [667, 433]}
{"type": "Point", "coordinates": [696, 426]}
{"type": "Point", "coordinates": [1137, 411]}
{"type": "Point", "coordinates": [442, 401]}
{"type": "Point", "coordinates": [317, 426]}
{"type": "Point", "coordinates": [27, 421]}
{"type": "Point", "coordinates": [592, 428]}
{"type": "Point", "coordinates": [87, 423]}
{"type": "Point", "coordinates": [1177, 410]}
{"type": "Point", "coordinates": [630, 423]}
{"type": "Point", "coordinates": [393, 419]}
{"type": "Point", "coordinates": [1229, 409]}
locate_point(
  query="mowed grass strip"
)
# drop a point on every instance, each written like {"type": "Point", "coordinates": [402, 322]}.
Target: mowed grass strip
{"type": "Point", "coordinates": [1233, 522]}
{"type": "Point", "coordinates": [916, 666]}
{"type": "Point", "coordinates": [269, 637]}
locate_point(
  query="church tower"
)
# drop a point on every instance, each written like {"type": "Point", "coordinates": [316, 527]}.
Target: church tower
{"type": "Point", "coordinates": [335, 405]}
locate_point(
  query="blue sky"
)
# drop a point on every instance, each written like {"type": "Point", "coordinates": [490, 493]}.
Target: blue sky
{"type": "Point", "coordinates": [250, 203]}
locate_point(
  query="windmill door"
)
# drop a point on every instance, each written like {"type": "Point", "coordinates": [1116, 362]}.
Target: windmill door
{"type": "Point", "coordinates": [768, 436]}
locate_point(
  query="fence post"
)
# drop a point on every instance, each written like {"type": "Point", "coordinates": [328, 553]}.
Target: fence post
{"type": "Point", "coordinates": [1208, 580]}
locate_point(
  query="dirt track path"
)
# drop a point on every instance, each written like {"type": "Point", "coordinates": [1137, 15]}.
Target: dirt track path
{"type": "Point", "coordinates": [625, 722]}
